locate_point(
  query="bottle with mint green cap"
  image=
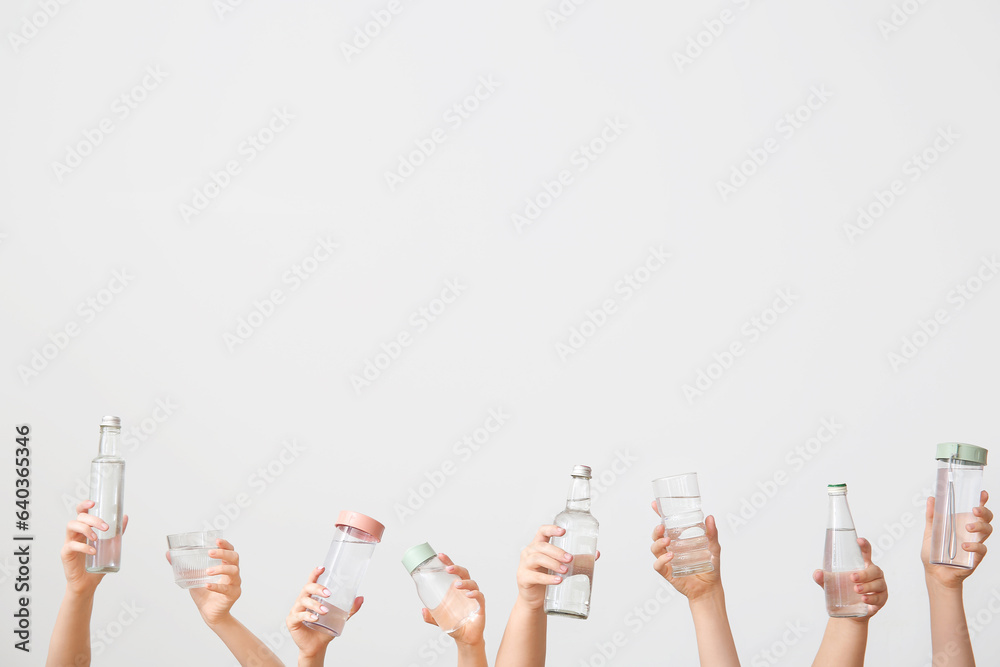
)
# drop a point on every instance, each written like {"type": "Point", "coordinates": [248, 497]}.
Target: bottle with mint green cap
{"type": "Point", "coordinates": [957, 493]}
{"type": "Point", "coordinates": [451, 607]}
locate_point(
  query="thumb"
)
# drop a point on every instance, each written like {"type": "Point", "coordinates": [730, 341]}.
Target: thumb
{"type": "Point", "coordinates": [818, 577]}
{"type": "Point", "coordinates": [929, 518]}
{"type": "Point", "coordinates": [866, 550]}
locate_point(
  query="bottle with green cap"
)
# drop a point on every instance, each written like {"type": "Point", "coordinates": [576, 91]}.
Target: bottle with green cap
{"type": "Point", "coordinates": [450, 607]}
{"type": "Point", "coordinates": [959, 485]}
{"type": "Point", "coordinates": [842, 558]}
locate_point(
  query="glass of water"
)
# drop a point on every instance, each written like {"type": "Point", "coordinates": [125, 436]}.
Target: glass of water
{"type": "Point", "coordinates": [679, 503]}
{"type": "Point", "coordinates": [190, 560]}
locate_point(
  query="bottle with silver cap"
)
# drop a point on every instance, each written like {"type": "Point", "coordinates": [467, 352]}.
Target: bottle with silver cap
{"type": "Point", "coordinates": [107, 489]}
{"type": "Point", "coordinates": [571, 597]}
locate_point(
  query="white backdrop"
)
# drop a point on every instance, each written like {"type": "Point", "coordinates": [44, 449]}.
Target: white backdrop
{"type": "Point", "coordinates": [199, 235]}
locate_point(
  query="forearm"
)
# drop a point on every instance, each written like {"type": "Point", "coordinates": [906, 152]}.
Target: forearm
{"type": "Point", "coordinates": [472, 655]}
{"type": "Point", "coordinates": [716, 647]}
{"type": "Point", "coordinates": [950, 640]}
{"type": "Point", "coordinates": [523, 643]}
{"type": "Point", "coordinates": [315, 660]}
{"type": "Point", "coordinates": [244, 645]}
{"type": "Point", "coordinates": [70, 643]}
{"type": "Point", "coordinates": [844, 643]}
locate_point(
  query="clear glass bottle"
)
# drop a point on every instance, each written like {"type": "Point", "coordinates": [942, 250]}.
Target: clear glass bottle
{"type": "Point", "coordinates": [107, 490]}
{"type": "Point", "coordinates": [449, 606]}
{"type": "Point", "coordinates": [571, 597]}
{"type": "Point", "coordinates": [347, 561]}
{"type": "Point", "coordinates": [959, 485]}
{"type": "Point", "coordinates": [841, 558]}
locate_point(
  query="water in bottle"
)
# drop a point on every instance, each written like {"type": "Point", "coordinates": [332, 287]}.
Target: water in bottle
{"type": "Point", "coordinates": [571, 597]}
{"type": "Point", "coordinates": [107, 490]}
{"type": "Point", "coordinates": [842, 558]}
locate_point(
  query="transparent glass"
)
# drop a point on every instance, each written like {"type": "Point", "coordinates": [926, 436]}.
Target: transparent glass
{"type": "Point", "coordinates": [959, 485]}
{"type": "Point", "coordinates": [346, 563]}
{"type": "Point", "coordinates": [190, 560]}
{"type": "Point", "coordinates": [571, 597]}
{"type": "Point", "coordinates": [678, 501]}
{"type": "Point", "coordinates": [449, 606]}
{"type": "Point", "coordinates": [107, 490]}
{"type": "Point", "coordinates": [842, 557]}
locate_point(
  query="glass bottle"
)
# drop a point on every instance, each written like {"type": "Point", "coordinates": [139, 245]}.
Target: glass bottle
{"type": "Point", "coordinates": [107, 490]}
{"type": "Point", "coordinates": [449, 606]}
{"type": "Point", "coordinates": [571, 597]}
{"type": "Point", "coordinates": [842, 558]}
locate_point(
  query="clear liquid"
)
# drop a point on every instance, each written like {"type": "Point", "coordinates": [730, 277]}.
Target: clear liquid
{"type": "Point", "coordinates": [332, 622]}
{"type": "Point", "coordinates": [690, 548]}
{"type": "Point", "coordinates": [455, 610]}
{"type": "Point", "coordinates": [842, 558]}
{"type": "Point", "coordinates": [943, 545]}
{"type": "Point", "coordinates": [572, 596]}
{"type": "Point", "coordinates": [107, 489]}
{"type": "Point", "coordinates": [190, 567]}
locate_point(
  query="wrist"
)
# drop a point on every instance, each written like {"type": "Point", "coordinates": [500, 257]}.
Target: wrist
{"type": "Point", "coordinates": [939, 587]}
{"type": "Point", "coordinates": [475, 648]}
{"type": "Point", "coordinates": [714, 597]}
{"type": "Point", "coordinates": [530, 606]}
{"type": "Point", "coordinates": [313, 657]}
{"type": "Point", "coordinates": [219, 621]}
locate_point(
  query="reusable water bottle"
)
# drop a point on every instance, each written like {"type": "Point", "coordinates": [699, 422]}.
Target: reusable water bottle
{"type": "Point", "coordinates": [959, 485]}
{"type": "Point", "coordinates": [107, 490]}
{"type": "Point", "coordinates": [571, 597]}
{"type": "Point", "coordinates": [842, 558]}
{"type": "Point", "coordinates": [449, 606]}
{"type": "Point", "coordinates": [350, 552]}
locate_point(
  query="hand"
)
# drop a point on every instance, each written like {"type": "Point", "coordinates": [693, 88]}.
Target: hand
{"type": "Point", "coordinates": [536, 560]}
{"type": "Point", "coordinates": [75, 550]}
{"type": "Point", "coordinates": [312, 642]}
{"type": "Point", "coordinates": [470, 634]}
{"type": "Point", "coordinates": [952, 577]}
{"type": "Point", "coordinates": [214, 601]}
{"type": "Point", "coordinates": [870, 581]}
{"type": "Point", "coordinates": [693, 586]}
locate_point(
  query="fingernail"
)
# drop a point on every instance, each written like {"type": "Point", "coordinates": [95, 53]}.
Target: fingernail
{"type": "Point", "coordinates": [557, 579]}
{"type": "Point", "coordinates": [314, 616]}
{"type": "Point", "coordinates": [104, 526]}
{"type": "Point", "coordinates": [563, 568]}
{"type": "Point", "coordinates": [855, 577]}
{"type": "Point", "coordinates": [470, 594]}
{"type": "Point", "coordinates": [326, 593]}
{"type": "Point", "coordinates": [458, 584]}
{"type": "Point", "coordinates": [93, 536]}
{"type": "Point", "coordinates": [857, 589]}
{"type": "Point", "coordinates": [323, 609]}
{"type": "Point", "coordinates": [970, 526]}
{"type": "Point", "coordinates": [568, 558]}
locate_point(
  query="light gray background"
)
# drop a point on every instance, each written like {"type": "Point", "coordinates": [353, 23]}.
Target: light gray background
{"type": "Point", "coordinates": [162, 337]}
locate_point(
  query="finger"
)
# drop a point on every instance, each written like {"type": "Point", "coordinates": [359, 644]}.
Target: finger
{"type": "Point", "coordinates": [92, 520]}
{"type": "Point", "coordinates": [445, 559]}
{"type": "Point", "coordinates": [225, 544]}
{"type": "Point", "coordinates": [975, 548]}
{"type": "Point", "coordinates": [866, 550]}
{"type": "Point", "coordinates": [659, 531]}
{"type": "Point", "coordinates": [229, 590]}
{"type": "Point", "coordinates": [314, 575]}
{"type": "Point", "coordinates": [656, 509]}
{"type": "Point", "coordinates": [870, 573]}
{"type": "Point", "coordinates": [876, 600]}
{"type": "Point", "coordinates": [553, 551]}
{"type": "Point", "coordinates": [664, 567]}
{"type": "Point", "coordinates": [83, 506]}
{"type": "Point", "coordinates": [301, 617]}
{"type": "Point", "coordinates": [79, 547]}
{"type": "Point", "coordinates": [427, 616]}
{"type": "Point", "coordinates": [230, 571]}
{"type": "Point", "coordinates": [539, 561]}
{"type": "Point", "coordinates": [167, 554]}
{"type": "Point", "coordinates": [467, 585]}
{"type": "Point", "coordinates": [873, 587]}
{"type": "Point", "coordinates": [818, 577]}
{"type": "Point", "coordinates": [598, 556]}
{"type": "Point", "coordinates": [540, 579]}
{"type": "Point", "coordinates": [984, 497]}
{"type": "Point", "coordinates": [547, 531]}
{"type": "Point", "coordinates": [311, 604]}
{"type": "Point", "coordinates": [125, 524]}
{"type": "Point", "coordinates": [457, 570]}
{"type": "Point", "coordinates": [659, 547]}
{"type": "Point", "coordinates": [315, 589]}
{"type": "Point", "coordinates": [356, 607]}
{"type": "Point", "coordinates": [74, 528]}
{"type": "Point", "coordinates": [712, 531]}
{"type": "Point", "coordinates": [225, 555]}
{"type": "Point", "coordinates": [980, 528]}
{"type": "Point", "coordinates": [929, 514]}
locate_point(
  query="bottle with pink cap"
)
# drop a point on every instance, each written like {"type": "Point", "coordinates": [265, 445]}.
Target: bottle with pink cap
{"type": "Point", "coordinates": [350, 552]}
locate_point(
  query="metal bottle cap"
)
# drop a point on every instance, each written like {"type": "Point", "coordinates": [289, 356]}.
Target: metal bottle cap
{"type": "Point", "coordinates": [581, 471]}
{"type": "Point", "coordinates": [112, 421]}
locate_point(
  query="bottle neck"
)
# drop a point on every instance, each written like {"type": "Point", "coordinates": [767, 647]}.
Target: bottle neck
{"type": "Point", "coordinates": [108, 446]}
{"type": "Point", "coordinates": [839, 517]}
{"type": "Point", "coordinates": [578, 499]}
